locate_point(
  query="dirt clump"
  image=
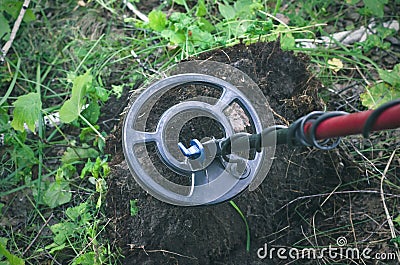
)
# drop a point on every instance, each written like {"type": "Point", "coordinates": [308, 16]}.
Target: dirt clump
{"type": "Point", "coordinates": [164, 234]}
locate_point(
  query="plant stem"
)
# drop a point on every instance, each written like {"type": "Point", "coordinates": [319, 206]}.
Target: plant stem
{"type": "Point", "coordinates": [277, 6]}
{"type": "Point", "coordinates": [11, 87]}
{"type": "Point", "coordinates": [89, 52]}
{"type": "Point", "coordinates": [92, 127]}
{"type": "Point", "coordinates": [40, 132]}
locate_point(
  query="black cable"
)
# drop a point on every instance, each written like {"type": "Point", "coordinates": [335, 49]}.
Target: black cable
{"type": "Point", "coordinates": [314, 127]}
{"type": "Point", "coordinates": [296, 135]}
{"type": "Point", "coordinates": [370, 122]}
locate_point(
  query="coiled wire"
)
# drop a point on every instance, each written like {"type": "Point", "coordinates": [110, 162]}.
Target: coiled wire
{"type": "Point", "coordinates": [296, 135]}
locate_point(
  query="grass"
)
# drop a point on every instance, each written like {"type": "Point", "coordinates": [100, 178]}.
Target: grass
{"type": "Point", "coordinates": [61, 216]}
{"type": "Point", "coordinates": [248, 237]}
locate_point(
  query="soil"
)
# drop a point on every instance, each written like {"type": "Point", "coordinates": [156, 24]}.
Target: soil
{"type": "Point", "coordinates": [279, 212]}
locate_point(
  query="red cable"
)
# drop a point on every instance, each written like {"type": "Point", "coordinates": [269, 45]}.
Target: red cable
{"type": "Point", "coordinates": [353, 123]}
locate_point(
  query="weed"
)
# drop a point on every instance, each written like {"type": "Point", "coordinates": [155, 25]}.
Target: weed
{"type": "Point", "coordinates": [374, 7]}
{"type": "Point", "coordinates": [385, 91]}
{"type": "Point", "coordinates": [133, 207]}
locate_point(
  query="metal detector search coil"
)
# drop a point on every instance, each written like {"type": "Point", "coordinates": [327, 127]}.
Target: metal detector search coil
{"type": "Point", "coordinates": [211, 179]}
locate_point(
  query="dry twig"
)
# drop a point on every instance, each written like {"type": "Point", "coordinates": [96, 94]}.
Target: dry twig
{"type": "Point", "coordinates": [14, 31]}
{"type": "Point", "coordinates": [133, 246]}
{"type": "Point", "coordinates": [388, 217]}
{"type": "Point", "coordinates": [139, 14]}
{"type": "Point", "coordinates": [334, 193]}
{"type": "Point", "coordinates": [38, 234]}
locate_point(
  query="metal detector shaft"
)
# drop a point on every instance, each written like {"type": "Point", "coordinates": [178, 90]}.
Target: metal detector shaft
{"type": "Point", "coordinates": [319, 126]}
{"type": "Point", "coordinates": [354, 123]}
{"type": "Point", "coordinates": [346, 125]}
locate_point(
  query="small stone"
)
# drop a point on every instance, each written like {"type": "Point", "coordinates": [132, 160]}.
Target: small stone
{"type": "Point", "coordinates": [188, 223]}
{"type": "Point", "coordinates": [393, 40]}
{"type": "Point", "coordinates": [390, 60]}
{"type": "Point", "coordinates": [353, 16]}
{"type": "Point", "coordinates": [283, 18]}
{"type": "Point", "coordinates": [375, 58]}
{"type": "Point", "coordinates": [386, 9]}
{"type": "Point", "coordinates": [349, 25]}
{"type": "Point", "coordinates": [330, 29]}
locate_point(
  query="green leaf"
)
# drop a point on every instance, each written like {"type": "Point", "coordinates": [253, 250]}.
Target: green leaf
{"type": "Point", "coordinates": [13, 8]}
{"type": "Point", "coordinates": [98, 92]}
{"type": "Point", "coordinates": [287, 41]}
{"type": "Point", "coordinates": [378, 95]}
{"type": "Point", "coordinates": [72, 107]}
{"type": "Point", "coordinates": [375, 6]}
{"type": "Point", "coordinates": [385, 32]}
{"type": "Point", "coordinates": [206, 25]}
{"type": "Point", "coordinates": [92, 112]}
{"type": "Point", "coordinates": [66, 171]}
{"type": "Point", "coordinates": [180, 2]}
{"type": "Point", "coordinates": [3, 241]}
{"type": "Point", "coordinates": [245, 8]}
{"type": "Point", "coordinates": [24, 156]}
{"type": "Point", "coordinates": [12, 259]}
{"type": "Point", "coordinates": [79, 214]}
{"type": "Point", "coordinates": [27, 110]}
{"type": "Point", "coordinates": [99, 168]}
{"type": "Point", "coordinates": [4, 118]}
{"type": "Point", "coordinates": [201, 9]}
{"type": "Point", "coordinates": [395, 240]}
{"type": "Point", "coordinates": [391, 77]}
{"type": "Point", "coordinates": [5, 29]}
{"type": "Point", "coordinates": [260, 28]}
{"type": "Point", "coordinates": [227, 11]}
{"type": "Point", "coordinates": [55, 247]}
{"type": "Point", "coordinates": [157, 20]}
{"type": "Point", "coordinates": [181, 21]}
{"type": "Point", "coordinates": [62, 231]}
{"type": "Point", "coordinates": [117, 90]}
{"type": "Point", "coordinates": [352, 2]}
{"type": "Point", "coordinates": [29, 16]}
{"type": "Point", "coordinates": [88, 258]}
{"type": "Point", "coordinates": [397, 220]}
{"type": "Point", "coordinates": [180, 18]}
{"type": "Point", "coordinates": [77, 154]}
{"type": "Point", "coordinates": [100, 143]}
{"type": "Point", "coordinates": [133, 207]}
{"type": "Point", "coordinates": [57, 194]}
{"type": "Point", "coordinates": [87, 168]}
{"type": "Point", "coordinates": [202, 38]}
{"type": "Point", "coordinates": [87, 134]}
{"type": "Point", "coordinates": [174, 37]}
{"type": "Point", "coordinates": [101, 185]}
{"type": "Point", "coordinates": [69, 111]}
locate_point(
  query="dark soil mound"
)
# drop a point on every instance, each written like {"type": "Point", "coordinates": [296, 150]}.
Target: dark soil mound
{"type": "Point", "coordinates": [166, 234]}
